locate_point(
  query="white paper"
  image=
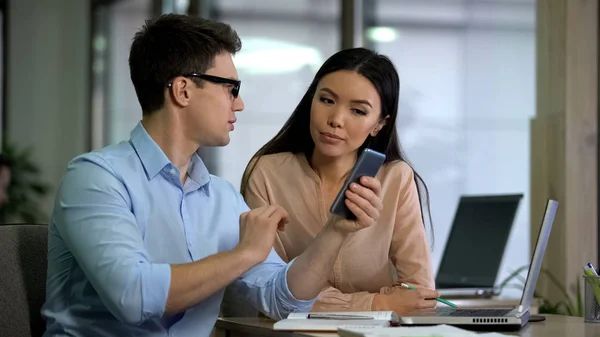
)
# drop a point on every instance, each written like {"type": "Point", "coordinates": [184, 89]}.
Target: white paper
{"type": "Point", "coordinates": [332, 321]}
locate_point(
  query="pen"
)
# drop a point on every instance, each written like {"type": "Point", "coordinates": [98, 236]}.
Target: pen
{"type": "Point", "coordinates": [335, 316]}
{"type": "Point", "coordinates": [437, 299]}
{"type": "Point", "coordinates": [590, 271]}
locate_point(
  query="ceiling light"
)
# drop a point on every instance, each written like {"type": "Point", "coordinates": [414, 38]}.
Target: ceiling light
{"type": "Point", "coordinates": [382, 34]}
{"type": "Point", "coordinates": [270, 56]}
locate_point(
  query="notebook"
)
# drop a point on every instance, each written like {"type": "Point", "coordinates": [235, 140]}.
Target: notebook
{"type": "Point", "coordinates": [512, 319]}
{"type": "Point", "coordinates": [479, 234]}
{"type": "Point", "coordinates": [331, 321]}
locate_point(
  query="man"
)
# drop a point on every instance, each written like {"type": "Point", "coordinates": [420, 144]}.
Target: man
{"type": "Point", "coordinates": [143, 239]}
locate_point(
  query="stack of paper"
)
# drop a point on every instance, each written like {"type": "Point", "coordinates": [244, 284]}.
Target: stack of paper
{"type": "Point", "coordinates": [332, 321]}
{"type": "Point", "coordinates": [423, 331]}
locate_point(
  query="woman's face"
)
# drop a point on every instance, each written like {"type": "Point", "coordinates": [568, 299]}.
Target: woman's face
{"type": "Point", "coordinates": [345, 109]}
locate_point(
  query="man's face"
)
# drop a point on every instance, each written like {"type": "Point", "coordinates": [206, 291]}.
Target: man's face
{"type": "Point", "coordinates": [210, 115]}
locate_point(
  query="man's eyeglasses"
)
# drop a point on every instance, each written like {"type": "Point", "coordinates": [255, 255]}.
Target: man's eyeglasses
{"type": "Point", "coordinates": [235, 90]}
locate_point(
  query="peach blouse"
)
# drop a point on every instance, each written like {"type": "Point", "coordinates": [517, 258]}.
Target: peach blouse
{"type": "Point", "coordinates": [371, 260]}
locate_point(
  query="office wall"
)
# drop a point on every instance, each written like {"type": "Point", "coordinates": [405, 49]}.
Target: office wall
{"type": "Point", "coordinates": [47, 82]}
{"type": "Point", "coordinates": [564, 142]}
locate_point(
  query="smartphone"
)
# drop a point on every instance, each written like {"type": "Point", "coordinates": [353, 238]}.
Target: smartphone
{"type": "Point", "coordinates": [367, 164]}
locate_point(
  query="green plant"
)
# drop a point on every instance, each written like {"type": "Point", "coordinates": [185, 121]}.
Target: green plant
{"type": "Point", "coordinates": [566, 306]}
{"type": "Point", "coordinates": [26, 189]}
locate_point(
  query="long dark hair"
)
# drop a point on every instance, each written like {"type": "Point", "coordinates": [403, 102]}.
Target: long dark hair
{"type": "Point", "coordinates": [295, 135]}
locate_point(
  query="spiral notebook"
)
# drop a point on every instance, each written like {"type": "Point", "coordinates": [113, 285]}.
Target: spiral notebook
{"type": "Point", "coordinates": [332, 321]}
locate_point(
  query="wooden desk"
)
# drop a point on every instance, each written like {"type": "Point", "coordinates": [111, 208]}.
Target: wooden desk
{"type": "Point", "coordinates": [554, 326]}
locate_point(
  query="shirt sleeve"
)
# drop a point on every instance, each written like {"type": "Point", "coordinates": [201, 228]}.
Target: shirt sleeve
{"type": "Point", "coordinates": [332, 299]}
{"type": "Point", "coordinates": [266, 287]}
{"type": "Point", "coordinates": [257, 195]}
{"type": "Point", "coordinates": [94, 219]}
{"type": "Point", "coordinates": [409, 249]}
{"type": "Point", "coordinates": [409, 252]}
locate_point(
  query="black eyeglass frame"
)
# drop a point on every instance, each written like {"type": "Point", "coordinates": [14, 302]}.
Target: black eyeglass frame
{"type": "Point", "coordinates": [235, 91]}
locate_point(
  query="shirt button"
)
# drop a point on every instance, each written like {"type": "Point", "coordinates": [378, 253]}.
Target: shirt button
{"type": "Point", "coordinates": [172, 171]}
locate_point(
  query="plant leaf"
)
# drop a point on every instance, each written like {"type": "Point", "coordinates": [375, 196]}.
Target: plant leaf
{"type": "Point", "coordinates": [26, 189]}
{"type": "Point", "coordinates": [565, 306]}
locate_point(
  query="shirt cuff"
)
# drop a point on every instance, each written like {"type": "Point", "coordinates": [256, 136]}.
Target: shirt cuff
{"type": "Point", "coordinates": [364, 302]}
{"type": "Point", "coordinates": [156, 292]}
{"type": "Point", "coordinates": [289, 301]}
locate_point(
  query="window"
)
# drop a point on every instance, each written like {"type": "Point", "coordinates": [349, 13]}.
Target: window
{"type": "Point", "coordinates": [115, 108]}
{"type": "Point", "coordinates": [283, 45]}
{"type": "Point", "coordinates": [467, 72]}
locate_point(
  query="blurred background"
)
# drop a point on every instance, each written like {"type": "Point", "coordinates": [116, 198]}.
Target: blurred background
{"type": "Point", "coordinates": [467, 70]}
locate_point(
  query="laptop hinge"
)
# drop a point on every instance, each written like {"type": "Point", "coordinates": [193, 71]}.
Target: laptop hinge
{"type": "Point", "coordinates": [521, 311]}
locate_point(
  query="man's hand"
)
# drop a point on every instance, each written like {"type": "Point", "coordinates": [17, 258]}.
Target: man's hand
{"type": "Point", "coordinates": [364, 200]}
{"type": "Point", "coordinates": [193, 282]}
{"type": "Point", "coordinates": [258, 228]}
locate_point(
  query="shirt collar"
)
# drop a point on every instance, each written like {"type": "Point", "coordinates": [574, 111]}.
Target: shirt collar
{"type": "Point", "coordinates": [154, 159]}
{"type": "Point", "coordinates": [198, 171]}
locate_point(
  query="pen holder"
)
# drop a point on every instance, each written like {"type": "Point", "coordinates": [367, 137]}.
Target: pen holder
{"type": "Point", "coordinates": [591, 299]}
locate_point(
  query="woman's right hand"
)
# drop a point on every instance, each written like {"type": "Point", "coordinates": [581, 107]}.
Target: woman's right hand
{"type": "Point", "coordinates": [403, 301]}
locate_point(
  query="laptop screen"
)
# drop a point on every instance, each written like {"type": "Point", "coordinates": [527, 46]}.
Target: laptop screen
{"type": "Point", "coordinates": [477, 240]}
{"type": "Point", "coordinates": [538, 254]}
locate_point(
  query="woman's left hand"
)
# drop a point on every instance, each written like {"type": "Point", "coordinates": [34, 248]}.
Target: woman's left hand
{"type": "Point", "coordinates": [364, 200]}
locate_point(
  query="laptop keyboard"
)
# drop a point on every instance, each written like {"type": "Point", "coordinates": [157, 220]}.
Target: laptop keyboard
{"type": "Point", "coordinates": [474, 312]}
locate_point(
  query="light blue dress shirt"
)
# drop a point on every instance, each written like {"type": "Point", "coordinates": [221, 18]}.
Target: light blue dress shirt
{"type": "Point", "coordinates": [120, 218]}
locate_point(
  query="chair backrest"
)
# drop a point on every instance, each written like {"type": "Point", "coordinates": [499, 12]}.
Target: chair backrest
{"type": "Point", "coordinates": [23, 265]}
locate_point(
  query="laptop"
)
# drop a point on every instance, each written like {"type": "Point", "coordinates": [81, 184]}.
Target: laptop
{"type": "Point", "coordinates": [481, 224]}
{"type": "Point", "coordinates": [494, 318]}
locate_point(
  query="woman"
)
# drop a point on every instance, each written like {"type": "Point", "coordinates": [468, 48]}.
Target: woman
{"type": "Point", "coordinates": [351, 104]}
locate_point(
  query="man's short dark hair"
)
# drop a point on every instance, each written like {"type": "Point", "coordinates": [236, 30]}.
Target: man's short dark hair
{"type": "Point", "coordinates": [175, 45]}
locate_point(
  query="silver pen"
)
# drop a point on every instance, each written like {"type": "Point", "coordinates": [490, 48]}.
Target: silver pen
{"type": "Point", "coordinates": [335, 316]}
